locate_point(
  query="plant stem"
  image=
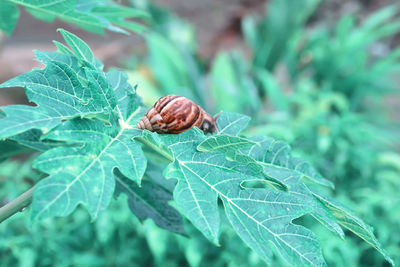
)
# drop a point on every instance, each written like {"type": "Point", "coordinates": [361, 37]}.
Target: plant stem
{"type": "Point", "coordinates": [157, 149]}
{"type": "Point", "coordinates": [16, 205]}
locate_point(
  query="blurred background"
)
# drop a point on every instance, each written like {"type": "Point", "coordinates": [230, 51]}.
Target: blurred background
{"type": "Point", "coordinates": [321, 75]}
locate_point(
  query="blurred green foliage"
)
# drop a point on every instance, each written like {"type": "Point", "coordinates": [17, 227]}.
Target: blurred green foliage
{"type": "Point", "coordinates": [332, 111]}
{"type": "Point", "coordinates": [329, 106]}
{"type": "Point", "coordinates": [92, 16]}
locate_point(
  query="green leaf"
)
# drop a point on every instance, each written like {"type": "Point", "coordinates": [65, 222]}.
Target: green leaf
{"type": "Point", "coordinates": [204, 176]}
{"type": "Point", "coordinates": [9, 15]}
{"type": "Point", "coordinates": [270, 37]}
{"type": "Point", "coordinates": [79, 47]}
{"type": "Point", "coordinates": [150, 201]}
{"type": "Point", "coordinates": [348, 220]}
{"type": "Point", "coordinates": [32, 139]}
{"type": "Point", "coordinates": [155, 147]}
{"type": "Point", "coordinates": [279, 156]}
{"type": "Point", "coordinates": [224, 143]}
{"type": "Point", "coordinates": [255, 168]}
{"type": "Point", "coordinates": [126, 96]}
{"type": "Point", "coordinates": [169, 64]}
{"type": "Point", "coordinates": [93, 16]}
{"type": "Point", "coordinates": [84, 173]}
{"type": "Point", "coordinates": [62, 90]}
{"type": "Point", "coordinates": [261, 217]}
{"type": "Point", "coordinates": [230, 146]}
{"type": "Point", "coordinates": [269, 85]}
{"type": "Point", "coordinates": [225, 83]}
{"type": "Point", "coordinates": [117, 15]}
{"type": "Point", "coordinates": [277, 162]}
{"type": "Point", "coordinates": [324, 216]}
{"type": "Point", "coordinates": [231, 123]}
{"type": "Point", "coordinates": [10, 148]}
{"type": "Point", "coordinates": [231, 87]}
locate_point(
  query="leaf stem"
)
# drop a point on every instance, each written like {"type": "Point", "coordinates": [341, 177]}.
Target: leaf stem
{"type": "Point", "coordinates": [16, 205]}
{"type": "Point", "coordinates": [157, 149]}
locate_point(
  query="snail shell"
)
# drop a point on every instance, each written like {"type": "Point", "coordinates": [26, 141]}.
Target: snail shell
{"type": "Point", "coordinates": [175, 114]}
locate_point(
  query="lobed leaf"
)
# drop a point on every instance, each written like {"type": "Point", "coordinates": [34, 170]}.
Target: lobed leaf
{"type": "Point", "coordinates": [85, 174]}
{"type": "Point", "coordinates": [261, 217]}
{"type": "Point", "coordinates": [348, 220]}
{"type": "Point", "coordinates": [230, 146]}
{"type": "Point", "coordinates": [63, 90]}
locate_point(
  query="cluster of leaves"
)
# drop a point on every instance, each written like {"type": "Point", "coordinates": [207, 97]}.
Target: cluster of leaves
{"type": "Point", "coordinates": [90, 15]}
{"type": "Point", "coordinates": [328, 104]}
{"type": "Point", "coordinates": [85, 117]}
{"type": "Point", "coordinates": [361, 62]}
{"type": "Point", "coordinates": [332, 113]}
{"type": "Point", "coordinates": [285, 17]}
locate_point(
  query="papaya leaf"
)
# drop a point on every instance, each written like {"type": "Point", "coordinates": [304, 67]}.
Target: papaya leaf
{"type": "Point", "coordinates": [231, 123]}
{"type": "Point", "coordinates": [277, 162]}
{"type": "Point", "coordinates": [348, 220]}
{"type": "Point", "coordinates": [231, 145]}
{"type": "Point", "coordinates": [261, 217]}
{"type": "Point", "coordinates": [63, 90]}
{"type": "Point", "coordinates": [279, 155]}
{"type": "Point", "coordinates": [32, 139]}
{"type": "Point", "coordinates": [79, 47]}
{"type": "Point", "coordinates": [82, 173]}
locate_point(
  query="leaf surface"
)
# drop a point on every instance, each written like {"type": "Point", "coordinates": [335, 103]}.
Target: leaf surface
{"type": "Point", "coordinates": [348, 220]}
{"type": "Point", "coordinates": [84, 173]}
{"type": "Point", "coordinates": [9, 15]}
{"type": "Point", "coordinates": [261, 217]}
{"type": "Point", "coordinates": [63, 90]}
{"type": "Point", "coordinates": [231, 123]}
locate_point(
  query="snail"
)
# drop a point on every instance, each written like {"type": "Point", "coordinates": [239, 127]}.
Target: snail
{"type": "Point", "coordinates": [174, 114]}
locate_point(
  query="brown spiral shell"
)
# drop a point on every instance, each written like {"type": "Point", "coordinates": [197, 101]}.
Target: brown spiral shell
{"type": "Point", "coordinates": [175, 114]}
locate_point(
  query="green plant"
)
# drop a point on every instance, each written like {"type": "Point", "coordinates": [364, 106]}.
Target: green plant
{"type": "Point", "coordinates": [85, 117]}
{"type": "Point", "coordinates": [271, 36]}
{"type": "Point", "coordinates": [353, 60]}
{"type": "Point", "coordinates": [330, 107]}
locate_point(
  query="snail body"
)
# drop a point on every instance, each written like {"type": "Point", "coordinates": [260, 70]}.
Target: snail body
{"type": "Point", "coordinates": [174, 114]}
